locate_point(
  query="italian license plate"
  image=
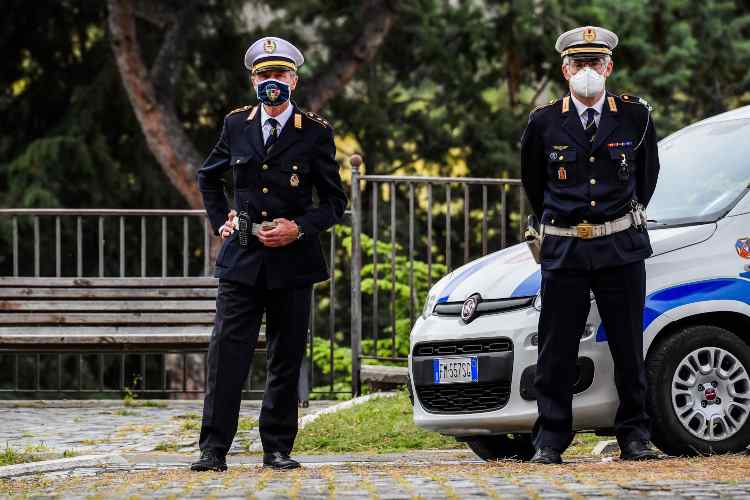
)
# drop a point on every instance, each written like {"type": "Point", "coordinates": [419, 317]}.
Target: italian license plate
{"type": "Point", "coordinates": [455, 370]}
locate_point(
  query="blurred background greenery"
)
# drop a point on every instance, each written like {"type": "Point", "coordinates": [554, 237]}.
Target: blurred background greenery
{"type": "Point", "coordinates": [447, 91]}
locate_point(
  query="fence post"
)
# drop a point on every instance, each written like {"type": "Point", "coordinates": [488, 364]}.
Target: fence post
{"type": "Point", "coordinates": [356, 296]}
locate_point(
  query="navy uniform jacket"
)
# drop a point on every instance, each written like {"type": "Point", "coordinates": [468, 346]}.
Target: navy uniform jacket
{"type": "Point", "coordinates": [570, 180]}
{"type": "Point", "coordinates": [273, 186]}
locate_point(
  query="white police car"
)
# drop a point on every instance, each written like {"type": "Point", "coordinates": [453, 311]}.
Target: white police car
{"type": "Point", "coordinates": [473, 378]}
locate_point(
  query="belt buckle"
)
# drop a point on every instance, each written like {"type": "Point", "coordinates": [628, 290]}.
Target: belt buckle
{"type": "Point", "coordinates": [585, 231]}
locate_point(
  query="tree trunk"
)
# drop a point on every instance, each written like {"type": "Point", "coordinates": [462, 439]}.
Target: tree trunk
{"type": "Point", "coordinates": [164, 134]}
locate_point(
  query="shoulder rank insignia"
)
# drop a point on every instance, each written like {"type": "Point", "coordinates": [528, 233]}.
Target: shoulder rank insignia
{"type": "Point", "coordinates": [239, 110]}
{"type": "Point", "coordinates": [541, 106]}
{"type": "Point", "coordinates": [634, 99]}
{"type": "Point", "coordinates": [612, 104]}
{"type": "Point", "coordinates": [297, 120]}
{"type": "Point", "coordinates": [318, 119]}
{"type": "Point", "coordinates": [566, 104]}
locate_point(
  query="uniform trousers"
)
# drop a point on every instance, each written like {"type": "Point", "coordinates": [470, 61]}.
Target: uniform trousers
{"type": "Point", "coordinates": [239, 311]}
{"type": "Point", "coordinates": [620, 295]}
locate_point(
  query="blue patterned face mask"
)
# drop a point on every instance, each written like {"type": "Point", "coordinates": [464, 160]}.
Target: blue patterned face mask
{"type": "Point", "coordinates": [273, 92]}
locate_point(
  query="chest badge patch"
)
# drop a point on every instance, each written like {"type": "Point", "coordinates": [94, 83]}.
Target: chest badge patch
{"type": "Point", "coordinates": [294, 180]}
{"type": "Point", "coordinates": [562, 174]}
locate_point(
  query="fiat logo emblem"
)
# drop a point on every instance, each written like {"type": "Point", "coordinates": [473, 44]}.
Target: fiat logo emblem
{"type": "Point", "coordinates": [710, 394]}
{"type": "Point", "coordinates": [469, 309]}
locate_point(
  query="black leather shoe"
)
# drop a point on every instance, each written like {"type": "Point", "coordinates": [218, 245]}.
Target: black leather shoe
{"type": "Point", "coordinates": [209, 461]}
{"type": "Point", "coordinates": [638, 450]}
{"type": "Point", "coordinates": [546, 456]}
{"type": "Point", "coordinates": [279, 461]}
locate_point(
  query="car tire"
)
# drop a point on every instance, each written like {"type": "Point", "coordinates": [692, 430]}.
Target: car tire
{"type": "Point", "coordinates": [678, 404]}
{"type": "Point", "coordinates": [501, 446]}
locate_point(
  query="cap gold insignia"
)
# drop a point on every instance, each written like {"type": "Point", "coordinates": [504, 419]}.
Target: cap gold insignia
{"type": "Point", "coordinates": [297, 120]}
{"type": "Point", "coordinates": [269, 46]}
{"type": "Point", "coordinates": [589, 35]}
{"type": "Point", "coordinates": [294, 180]}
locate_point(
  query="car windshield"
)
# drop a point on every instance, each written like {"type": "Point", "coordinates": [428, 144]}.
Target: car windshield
{"type": "Point", "coordinates": [704, 170]}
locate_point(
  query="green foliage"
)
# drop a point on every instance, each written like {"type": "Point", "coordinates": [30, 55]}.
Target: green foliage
{"type": "Point", "coordinates": [31, 453]}
{"type": "Point", "coordinates": [374, 278]}
{"type": "Point", "coordinates": [389, 428]}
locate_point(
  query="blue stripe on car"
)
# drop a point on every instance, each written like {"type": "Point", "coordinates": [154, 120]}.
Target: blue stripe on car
{"type": "Point", "coordinates": [530, 286]}
{"type": "Point", "coordinates": [689, 293]}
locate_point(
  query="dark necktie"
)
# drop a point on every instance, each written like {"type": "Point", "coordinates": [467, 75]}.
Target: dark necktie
{"type": "Point", "coordinates": [274, 133]}
{"type": "Point", "coordinates": [590, 128]}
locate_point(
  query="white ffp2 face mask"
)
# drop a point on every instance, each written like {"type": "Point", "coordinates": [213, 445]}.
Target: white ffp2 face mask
{"type": "Point", "coordinates": [587, 82]}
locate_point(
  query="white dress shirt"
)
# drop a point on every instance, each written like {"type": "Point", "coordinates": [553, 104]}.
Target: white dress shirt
{"type": "Point", "coordinates": [282, 119]}
{"type": "Point", "coordinates": [581, 109]}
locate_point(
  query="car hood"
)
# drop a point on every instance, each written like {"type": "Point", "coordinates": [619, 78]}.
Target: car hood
{"type": "Point", "coordinates": [512, 272]}
{"type": "Point", "coordinates": [668, 239]}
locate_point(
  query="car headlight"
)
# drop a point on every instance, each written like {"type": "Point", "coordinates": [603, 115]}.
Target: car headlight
{"type": "Point", "coordinates": [538, 301]}
{"type": "Point", "coordinates": [429, 305]}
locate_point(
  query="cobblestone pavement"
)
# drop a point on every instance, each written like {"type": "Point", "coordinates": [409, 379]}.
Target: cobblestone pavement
{"type": "Point", "coordinates": [103, 427]}
{"type": "Point", "coordinates": [138, 433]}
{"type": "Point", "coordinates": [428, 475]}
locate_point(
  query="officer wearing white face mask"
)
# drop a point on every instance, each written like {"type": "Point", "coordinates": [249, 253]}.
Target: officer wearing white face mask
{"type": "Point", "coordinates": [589, 166]}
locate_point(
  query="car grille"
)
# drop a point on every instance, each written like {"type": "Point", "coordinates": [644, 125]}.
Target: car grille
{"type": "Point", "coordinates": [485, 306]}
{"type": "Point", "coordinates": [475, 346]}
{"type": "Point", "coordinates": [464, 398]}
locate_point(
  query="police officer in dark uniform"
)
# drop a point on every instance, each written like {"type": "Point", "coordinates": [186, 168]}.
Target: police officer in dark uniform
{"type": "Point", "coordinates": [271, 256]}
{"type": "Point", "coordinates": [589, 167]}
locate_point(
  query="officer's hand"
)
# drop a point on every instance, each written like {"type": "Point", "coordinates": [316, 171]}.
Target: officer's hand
{"type": "Point", "coordinates": [284, 233]}
{"type": "Point", "coordinates": [229, 226]}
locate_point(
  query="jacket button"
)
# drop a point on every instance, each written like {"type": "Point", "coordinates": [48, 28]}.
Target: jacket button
{"type": "Point", "coordinates": [265, 190]}
{"type": "Point", "coordinates": [593, 203]}
{"type": "Point", "coordinates": [265, 167]}
{"type": "Point", "coordinates": [593, 181]}
{"type": "Point", "coordinates": [264, 213]}
{"type": "Point", "coordinates": [295, 167]}
{"type": "Point", "coordinates": [238, 162]}
{"type": "Point", "coordinates": [592, 159]}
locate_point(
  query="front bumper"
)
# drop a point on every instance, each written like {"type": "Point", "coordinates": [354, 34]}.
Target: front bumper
{"type": "Point", "coordinates": [496, 405]}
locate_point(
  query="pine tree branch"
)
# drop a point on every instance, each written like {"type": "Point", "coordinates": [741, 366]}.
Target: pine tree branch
{"type": "Point", "coordinates": [378, 17]}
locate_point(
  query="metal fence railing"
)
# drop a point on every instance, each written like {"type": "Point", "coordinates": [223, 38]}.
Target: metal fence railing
{"type": "Point", "coordinates": [401, 235]}
{"type": "Point", "coordinates": [407, 232]}
{"type": "Point", "coordinates": [107, 243]}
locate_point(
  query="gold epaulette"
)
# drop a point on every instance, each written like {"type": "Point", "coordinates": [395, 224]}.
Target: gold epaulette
{"type": "Point", "coordinates": [553, 101]}
{"type": "Point", "coordinates": [318, 119]}
{"type": "Point", "coordinates": [238, 110]}
{"type": "Point", "coordinates": [634, 99]}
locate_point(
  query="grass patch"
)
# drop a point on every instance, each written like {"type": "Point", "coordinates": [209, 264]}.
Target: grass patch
{"type": "Point", "coordinates": [33, 453]}
{"type": "Point", "coordinates": [94, 442]}
{"type": "Point", "coordinates": [126, 413]}
{"type": "Point", "coordinates": [166, 446]}
{"type": "Point", "coordinates": [583, 443]}
{"type": "Point", "coordinates": [247, 423]}
{"type": "Point", "coordinates": [187, 416]}
{"type": "Point", "coordinates": [381, 425]}
{"type": "Point", "coordinates": [137, 403]}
